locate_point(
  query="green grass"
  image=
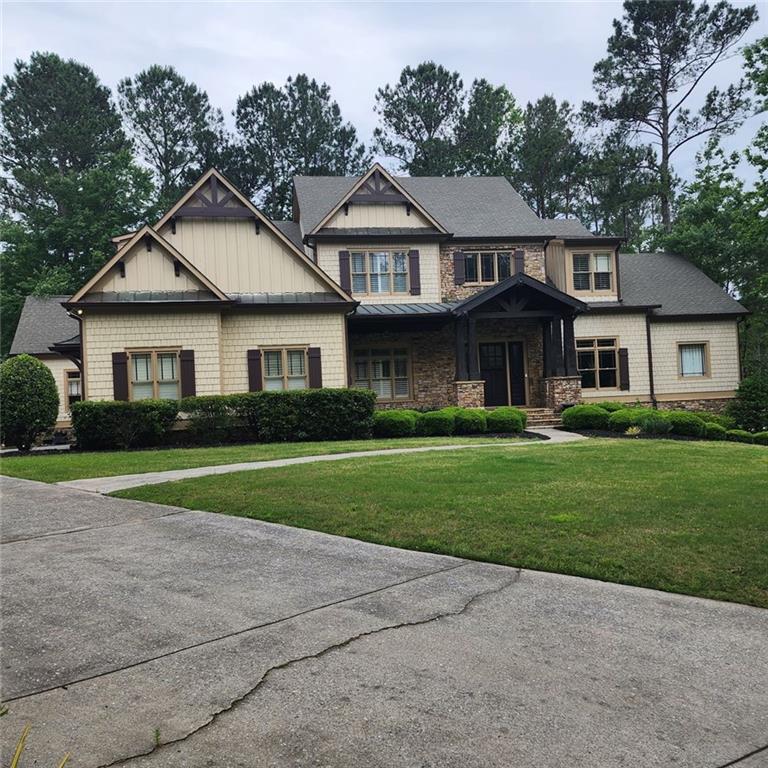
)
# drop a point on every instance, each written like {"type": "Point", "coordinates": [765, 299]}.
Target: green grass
{"type": "Point", "coordinates": [686, 517]}
{"type": "Point", "coordinates": [56, 467]}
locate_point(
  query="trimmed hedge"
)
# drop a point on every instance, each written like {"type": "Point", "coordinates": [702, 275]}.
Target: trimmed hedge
{"type": "Point", "coordinates": [395, 423]}
{"type": "Point", "coordinates": [714, 431]}
{"type": "Point", "coordinates": [621, 421]}
{"type": "Point", "coordinates": [210, 418]}
{"type": "Point", "coordinates": [722, 419]}
{"type": "Point", "coordinates": [611, 406]}
{"type": "Point", "coordinates": [469, 421]}
{"type": "Point", "coordinates": [655, 424]}
{"type": "Point", "coordinates": [585, 417]}
{"type": "Point", "coordinates": [761, 438]}
{"type": "Point", "coordinates": [506, 419]}
{"type": "Point", "coordinates": [686, 423]}
{"type": "Point", "coordinates": [441, 423]}
{"type": "Point", "coordinates": [739, 436]}
{"type": "Point", "coordinates": [104, 424]}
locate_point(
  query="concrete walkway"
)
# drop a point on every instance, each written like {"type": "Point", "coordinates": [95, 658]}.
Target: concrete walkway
{"type": "Point", "coordinates": [121, 482]}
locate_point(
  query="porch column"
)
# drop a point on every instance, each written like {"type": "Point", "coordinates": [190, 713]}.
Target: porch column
{"type": "Point", "coordinates": [460, 328]}
{"type": "Point", "coordinates": [474, 366]}
{"type": "Point", "coordinates": [557, 348]}
{"type": "Point", "coordinates": [546, 328]}
{"type": "Point", "coordinates": [569, 345]}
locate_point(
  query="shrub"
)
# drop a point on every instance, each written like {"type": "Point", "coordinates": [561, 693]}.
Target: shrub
{"type": "Point", "coordinates": [30, 401]}
{"type": "Point", "coordinates": [506, 420]}
{"type": "Point", "coordinates": [119, 424]}
{"type": "Point", "coordinates": [394, 423]}
{"type": "Point", "coordinates": [469, 421]}
{"type": "Point", "coordinates": [585, 417]}
{"type": "Point", "coordinates": [620, 421]}
{"type": "Point", "coordinates": [739, 436]}
{"type": "Point", "coordinates": [761, 438]}
{"type": "Point", "coordinates": [211, 418]}
{"type": "Point", "coordinates": [722, 419]}
{"type": "Point", "coordinates": [436, 423]}
{"type": "Point", "coordinates": [713, 431]}
{"type": "Point", "coordinates": [633, 431]}
{"type": "Point", "coordinates": [611, 406]}
{"type": "Point", "coordinates": [750, 408]}
{"type": "Point", "coordinates": [655, 424]}
{"type": "Point", "coordinates": [686, 423]}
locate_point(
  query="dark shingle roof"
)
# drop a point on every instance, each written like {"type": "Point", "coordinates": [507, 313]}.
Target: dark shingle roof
{"type": "Point", "coordinates": [675, 283]}
{"type": "Point", "coordinates": [292, 230]}
{"type": "Point", "coordinates": [43, 322]}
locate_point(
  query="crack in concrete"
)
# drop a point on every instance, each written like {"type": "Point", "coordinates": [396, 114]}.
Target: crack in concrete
{"type": "Point", "coordinates": [318, 654]}
{"type": "Point", "coordinates": [744, 757]}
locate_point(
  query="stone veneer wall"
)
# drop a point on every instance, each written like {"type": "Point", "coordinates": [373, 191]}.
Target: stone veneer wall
{"type": "Point", "coordinates": [470, 394]}
{"type": "Point", "coordinates": [713, 405]}
{"type": "Point", "coordinates": [562, 390]}
{"type": "Point", "coordinates": [449, 291]}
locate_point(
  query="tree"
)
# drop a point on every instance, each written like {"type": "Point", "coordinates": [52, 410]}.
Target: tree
{"type": "Point", "coordinates": [756, 66]}
{"type": "Point", "coordinates": [172, 122]}
{"type": "Point", "coordinates": [297, 129]}
{"type": "Point", "coordinates": [70, 182]}
{"type": "Point", "coordinates": [658, 56]}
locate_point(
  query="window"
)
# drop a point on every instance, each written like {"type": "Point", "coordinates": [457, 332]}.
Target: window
{"type": "Point", "coordinates": [385, 371]}
{"type": "Point", "coordinates": [597, 361]}
{"type": "Point", "coordinates": [488, 266]}
{"type": "Point", "coordinates": [693, 359]}
{"type": "Point", "coordinates": [592, 271]}
{"type": "Point", "coordinates": [285, 369]}
{"type": "Point", "coordinates": [154, 375]}
{"type": "Point", "coordinates": [73, 392]}
{"type": "Point", "coordinates": [379, 271]}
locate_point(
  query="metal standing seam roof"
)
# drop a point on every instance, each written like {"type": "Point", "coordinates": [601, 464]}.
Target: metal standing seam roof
{"type": "Point", "coordinates": [43, 322]}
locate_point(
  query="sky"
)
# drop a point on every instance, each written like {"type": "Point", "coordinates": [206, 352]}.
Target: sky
{"type": "Point", "coordinates": [534, 48]}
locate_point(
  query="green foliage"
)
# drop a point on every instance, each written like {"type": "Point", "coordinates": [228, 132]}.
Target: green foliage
{"type": "Point", "coordinates": [210, 418]}
{"type": "Point", "coordinates": [685, 423]}
{"type": "Point", "coordinates": [749, 409]}
{"type": "Point", "coordinates": [30, 402]}
{"type": "Point", "coordinates": [586, 417]}
{"type": "Point", "coordinates": [436, 423]}
{"type": "Point", "coordinates": [714, 431]}
{"type": "Point", "coordinates": [395, 423]}
{"type": "Point", "coordinates": [108, 424]}
{"type": "Point", "coordinates": [722, 419]}
{"type": "Point", "coordinates": [761, 438]}
{"type": "Point", "coordinates": [470, 421]}
{"type": "Point", "coordinates": [739, 436]}
{"type": "Point", "coordinates": [506, 420]}
{"type": "Point", "coordinates": [611, 406]}
{"type": "Point", "coordinates": [655, 424]}
{"type": "Point", "coordinates": [619, 421]}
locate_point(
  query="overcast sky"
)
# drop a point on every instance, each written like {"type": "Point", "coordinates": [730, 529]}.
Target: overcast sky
{"type": "Point", "coordinates": [227, 47]}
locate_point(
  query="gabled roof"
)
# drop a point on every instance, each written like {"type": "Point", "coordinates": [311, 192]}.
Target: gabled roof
{"type": "Point", "coordinates": [43, 323]}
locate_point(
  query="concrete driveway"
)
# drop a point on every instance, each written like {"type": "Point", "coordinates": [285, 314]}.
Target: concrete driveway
{"type": "Point", "coordinates": [149, 636]}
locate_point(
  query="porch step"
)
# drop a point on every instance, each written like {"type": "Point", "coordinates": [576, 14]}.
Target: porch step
{"type": "Point", "coordinates": [542, 417]}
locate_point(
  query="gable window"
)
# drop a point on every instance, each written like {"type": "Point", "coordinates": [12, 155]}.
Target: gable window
{"type": "Point", "coordinates": [693, 359]}
{"type": "Point", "coordinates": [385, 371]}
{"type": "Point", "coordinates": [379, 271]}
{"type": "Point", "coordinates": [487, 266]}
{"type": "Point", "coordinates": [597, 362]}
{"type": "Point", "coordinates": [285, 369]}
{"type": "Point", "coordinates": [154, 374]}
{"type": "Point", "coordinates": [593, 271]}
{"type": "Point", "coordinates": [73, 392]}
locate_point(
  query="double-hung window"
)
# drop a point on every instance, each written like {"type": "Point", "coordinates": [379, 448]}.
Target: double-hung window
{"type": "Point", "coordinates": [285, 369]}
{"type": "Point", "coordinates": [693, 360]}
{"type": "Point", "coordinates": [154, 374]}
{"type": "Point", "coordinates": [73, 388]}
{"type": "Point", "coordinates": [592, 272]}
{"type": "Point", "coordinates": [379, 271]}
{"type": "Point", "coordinates": [597, 361]}
{"type": "Point", "coordinates": [487, 266]}
{"type": "Point", "coordinates": [385, 371]}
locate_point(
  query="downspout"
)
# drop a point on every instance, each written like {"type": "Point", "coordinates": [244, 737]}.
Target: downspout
{"type": "Point", "coordinates": [81, 364]}
{"type": "Point", "coordinates": [650, 358]}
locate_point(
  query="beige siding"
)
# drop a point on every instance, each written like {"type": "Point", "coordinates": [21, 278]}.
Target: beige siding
{"type": "Point", "coordinates": [429, 270]}
{"type": "Point", "coordinates": [591, 296]}
{"type": "Point", "coordinates": [241, 332]}
{"type": "Point", "coordinates": [237, 260]}
{"type": "Point", "coordinates": [107, 333]}
{"type": "Point", "coordinates": [722, 339]}
{"type": "Point", "coordinates": [58, 366]}
{"type": "Point", "coordinates": [377, 215]}
{"type": "Point", "coordinates": [629, 332]}
{"type": "Point", "coordinates": [555, 264]}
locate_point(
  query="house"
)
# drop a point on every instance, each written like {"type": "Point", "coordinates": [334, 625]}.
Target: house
{"type": "Point", "coordinates": [429, 291]}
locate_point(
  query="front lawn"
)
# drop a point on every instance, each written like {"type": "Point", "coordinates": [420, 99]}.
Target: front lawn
{"type": "Point", "coordinates": [57, 467]}
{"type": "Point", "coordinates": [681, 517]}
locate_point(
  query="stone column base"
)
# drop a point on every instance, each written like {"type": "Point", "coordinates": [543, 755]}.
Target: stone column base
{"type": "Point", "coordinates": [469, 394]}
{"type": "Point", "coordinates": [562, 390]}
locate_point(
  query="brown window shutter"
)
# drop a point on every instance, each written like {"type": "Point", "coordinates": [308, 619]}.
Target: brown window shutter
{"type": "Point", "coordinates": [623, 368]}
{"type": "Point", "coordinates": [519, 261]}
{"type": "Point", "coordinates": [187, 371]}
{"type": "Point", "coordinates": [315, 368]}
{"type": "Point", "coordinates": [415, 273]}
{"type": "Point", "coordinates": [459, 268]}
{"type": "Point", "coordinates": [120, 375]}
{"type": "Point", "coordinates": [345, 278]}
{"type": "Point", "coordinates": [254, 371]}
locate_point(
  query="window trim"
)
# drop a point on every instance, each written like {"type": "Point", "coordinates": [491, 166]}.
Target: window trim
{"type": "Point", "coordinates": [153, 352]}
{"type": "Point", "coordinates": [477, 254]}
{"type": "Point", "coordinates": [67, 371]}
{"type": "Point", "coordinates": [284, 362]}
{"type": "Point", "coordinates": [707, 364]}
{"type": "Point", "coordinates": [378, 349]}
{"type": "Point", "coordinates": [595, 349]}
{"type": "Point", "coordinates": [591, 291]}
{"type": "Point", "coordinates": [368, 250]}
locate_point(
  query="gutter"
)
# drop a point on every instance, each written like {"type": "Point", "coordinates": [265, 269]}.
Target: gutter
{"type": "Point", "coordinates": [652, 387]}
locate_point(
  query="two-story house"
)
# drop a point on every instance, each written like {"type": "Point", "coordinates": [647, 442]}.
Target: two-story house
{"type": "Point", "coordinates": [429, 291]}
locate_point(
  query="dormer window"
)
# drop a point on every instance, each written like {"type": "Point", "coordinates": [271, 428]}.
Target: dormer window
{"type": "Point", "coordinates": [593, 272]}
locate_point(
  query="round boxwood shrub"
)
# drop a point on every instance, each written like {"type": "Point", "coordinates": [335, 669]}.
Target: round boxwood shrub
{"type": "Point", "coordinates": [585, 417]}
{"type": "Point", "coordinates": [505, 420]}
{"type": "Point", "coordinates": [621, 421]}
{"type": "Point", "coordinates": [655, 424]}
{"type": "Point", "coordinates": [470, 421]}
{"type": "Point", "coordinates": [394, 423]}
{"type": "Point", "coordinates": [686, 423]}
{"type": "Point", "coordinates": [722, 419]}
{"type": "Point", "coordinates": [30, 401]}
{"type": "Point", "coordinates": [436, 423]}
{"type": "Point", "coordinates": [761, 438]}
{"type": "Point", "coordinates": [713, 431]}
{"type": "Point", "coordinates": [750, 408]}
{"type": "Point", "coordinates": [611, 406]}
{"type": "Point", "coordinates": [739, 436]}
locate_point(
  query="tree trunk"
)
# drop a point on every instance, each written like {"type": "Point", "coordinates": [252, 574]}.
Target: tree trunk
{"type": "Point", "coordinates": [665, 193]}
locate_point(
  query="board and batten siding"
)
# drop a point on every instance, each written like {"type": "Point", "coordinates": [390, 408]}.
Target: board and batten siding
{"type": "Point", "coordinates": [555, 264]}
{"type": "Point", "coordinates": [429, 269]}
{"type": "Point", "coordinates": [377, 215]}
{"type": "Point", "coordinates": [106, 333]}
{"type": "Point", "coordinates": [241, 332]}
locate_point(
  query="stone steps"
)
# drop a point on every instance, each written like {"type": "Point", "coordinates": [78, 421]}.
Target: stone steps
{"type": "Point", "coordinates": [542, 417]}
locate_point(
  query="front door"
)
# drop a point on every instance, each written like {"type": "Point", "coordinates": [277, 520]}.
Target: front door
{"type": "Point", "coordinates": [502, 368]}
{"type": "Point", "coordinates": [516, 373]}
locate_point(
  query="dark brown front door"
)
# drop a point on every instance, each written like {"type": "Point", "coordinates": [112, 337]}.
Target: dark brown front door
{"type": "Point", "coordinates": [516, 373]}
{"type": "Point", "coordinates": [493, 371]}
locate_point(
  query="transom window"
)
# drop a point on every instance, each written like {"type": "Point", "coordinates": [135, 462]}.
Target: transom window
{"type": "Point", "coordinates": [285, 369]}
{"type": "Point", "coordinates": [693, 359]}
{"type": "Point", "coordinates": [385, 371]}
{"type": "Point", "coordinates": [73, 388]}
{"type": "Point", "coordinates": [154, 374]}
{"type": "Point", "coordinates": [597, 361]}
{"type": "Point", "coordinates": [593, 271]}
{"type": "Point", "coordinates": [379, 271]}
{"type": "Point", "coordinates": [487, 266]}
